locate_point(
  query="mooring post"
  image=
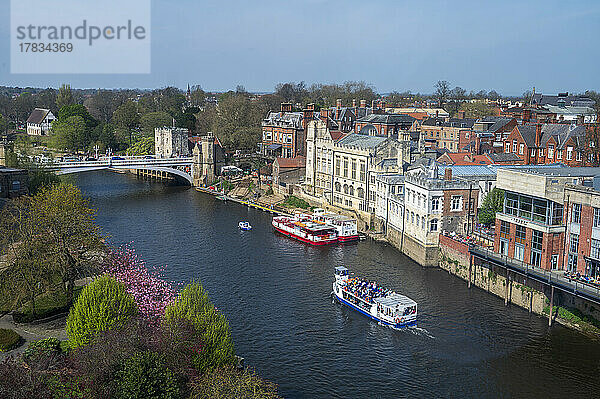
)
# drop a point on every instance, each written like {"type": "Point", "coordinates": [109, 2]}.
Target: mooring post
{"type": "Point", "coordinates": [470, 268]}
{"type": "Point", "coordinates": [551, 305]}
{"type": "Point", "coordinates": [506, 290]}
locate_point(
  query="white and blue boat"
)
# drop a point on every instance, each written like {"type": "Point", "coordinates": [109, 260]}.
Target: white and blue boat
{"type": "Point", "coordinates": [244, 226]}
{"type": "Point", "coordinates": [385, 306]}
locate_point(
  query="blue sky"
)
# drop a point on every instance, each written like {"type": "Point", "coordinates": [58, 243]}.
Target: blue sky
{"type": "Point", "coordinates": [507, 45]}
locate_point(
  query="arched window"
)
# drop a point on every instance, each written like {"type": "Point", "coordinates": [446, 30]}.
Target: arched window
{"type": "Point", "coordinates": [361, 193]}
{"type": "Point", "coordinates": [338, 186]}
{"type": "Point", "coordinates": [345, 189]}
{"type": "Point", "coordinates": [16, 185]}
{"type": "Point", "coordinates": [351, 190]}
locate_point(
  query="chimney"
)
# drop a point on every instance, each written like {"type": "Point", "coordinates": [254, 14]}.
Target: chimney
{"type": "Point", "coordinates": [354, 103]}
{"type": "Point", "coordinates": [580, 119]}
{"type": "Point", "coordinates": [363, 103]}
{"type": "Point", "coordinates": [437, 113]}
{"type": "Point", "coordinates": [448, 173]}
{"type": "Point", "coordinates": [339, 103]}
{"type": "Point", "coordinates": [286, 107]}
{"type": "Point", "coordinates": [461, 114]}
{"type": "Point", "coordinates": [373, 105]}
{"type": "Point", "coordinates": [526, 115]}
{"type": "Point", "coordinates": [538, 134]}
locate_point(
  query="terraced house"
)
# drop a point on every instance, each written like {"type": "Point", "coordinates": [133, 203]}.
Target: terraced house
{"type": "Point", "coordinates": [548, 143]}
{"type": "Point", "coordinates": [452, 135]}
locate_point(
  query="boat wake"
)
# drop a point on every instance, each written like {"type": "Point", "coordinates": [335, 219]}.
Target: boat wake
{"type": "Point", "coordinates": [420, 331]}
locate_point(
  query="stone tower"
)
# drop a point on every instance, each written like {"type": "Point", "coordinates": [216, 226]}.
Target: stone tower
{"type": "Point", "coordinates": [203, 161]}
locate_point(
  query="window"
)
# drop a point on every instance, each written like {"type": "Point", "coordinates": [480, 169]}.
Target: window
{"type": "Point", "coordinates": [353, 169]}
{"type": "Point", "coordinates": [596, 217]}
{"type": "Point", "coordinates": [540, 209]}
{"type": "Point", "coordinates": [361, 193]}
{"type": "Point", "coordinates": [423, 222]}
{"type": "Point", "coordinates": [574, 243]}
{"type": "Point", "coordinates": [337, 166]}
{"type": "Point", "coordinates": [550, 152]}
{"type": "Point", "coordinates": [504, 229]}
{"type": "Point", "coordinates": [578, 156]}
{"type": "Point", "coordinates": [558, 154]}
{"type": "Point", "coordinates": [345, 189]}
{"type": "Point", "coordinates": [418, 220]}
{"type": "Point", "coordinates": [525, 206]}
{"type": "Point", "coordinates": [15, 185]}
{"type": "Point", "coordinates": [519, 252]}
{"type": "Point", "coordinates": [557, 214]}
{"type": "Point", "coordinates": [595, 249]}
{"type": "Point", "coordinates": [351, 191]}
{"type": "Point", "coordinates": [338, 186]}
{"type": "Point", "coordinates": [507, 147]}
{"type": "Point", "coordinates": [512, 204]}
{"type": "Point", "coordinates": [514, 146]}
{"type": "Point", "coordinates": [569, 153]}
{"type": "Point", "coordinates": [576, 213]}
{"type": "Point", "coordinates": [362, 171]}
{"type": "Point", "coordinates": [533, 152]}
{"type": "Point", "coordinates": [520, 234]}
{"type": "Point", "coordinates": [435, 204]}
{"type": "Point", "coordinates": [536, 248]}
{"type": "Point", "coordinates": [433, 225]}
{"type": "Point", "coordinates": [521, 148]}
{"type": "Point", "coordinates": [456, 203]}
{"type": "Point", "coordinates": [345, 167]}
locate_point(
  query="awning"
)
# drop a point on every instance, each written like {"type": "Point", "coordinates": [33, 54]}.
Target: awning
{"type": "Point", "coordinates": [274, 146]}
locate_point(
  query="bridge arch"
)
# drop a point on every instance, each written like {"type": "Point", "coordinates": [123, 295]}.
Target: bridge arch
{"type": "Point", "coordinates": [179, 173]}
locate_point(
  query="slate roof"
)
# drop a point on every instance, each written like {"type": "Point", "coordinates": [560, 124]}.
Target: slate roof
{"type": "Point", "coordinates": [499, 124]}
{"type": "Point", "coordinates": [389, 119]}
{"type": "Point", "coordinates": [561, 133]}
{"type": "Point", "coordinates": [361, 141]}
{"type": "Point", "coordinates": [573, 100]}
{"type": "Point", "coordinates": [466, 123]}
{"type": "Point", "coordinates": [505, 157]}
{"type": "Point", "coordinates": [528, 134]}
{"type": "Point", "coordinates": [287, 119]}
{"type": "Point", "coordinates": [38, 115]}
{"type": "Point", "coordinates": [570, 110]}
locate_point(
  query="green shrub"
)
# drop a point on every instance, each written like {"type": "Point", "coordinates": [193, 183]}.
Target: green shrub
{"type": "Point", "coordinates": [9, 340]}
{"type": "Point", "coordinates": [194, 306]}
{"type": "Point", "coordinates": [232, 383]}
{"type": "Point", "coordinates": [295, 202]}
{"type": "Point", "coordinates": [47, 305]}
{"type": "Point", "coordinates": [43, 354]}
{"type": "Point", "coordinates": [144, 375]}
{"type": "Point", "coordinates": [102, 305]}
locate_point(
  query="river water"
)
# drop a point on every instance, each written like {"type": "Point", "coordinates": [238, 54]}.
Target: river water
{"type": "Point", "coordinates": [276, 294]}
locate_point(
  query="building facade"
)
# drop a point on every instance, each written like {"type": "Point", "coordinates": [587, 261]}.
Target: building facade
{"type": "Point", "coordinates": [171, 142]}
{"type": "Point", "coordinates": [39, 122]}
{"type": "Point", "coordinates": [283, 133]}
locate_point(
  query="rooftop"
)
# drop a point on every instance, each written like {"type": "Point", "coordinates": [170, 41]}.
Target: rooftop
{"type": "Point", "coordinates": [361, 141]}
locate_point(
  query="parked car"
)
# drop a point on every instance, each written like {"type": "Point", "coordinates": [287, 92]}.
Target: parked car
{"type": "Point", "coordinates": [117, 159]}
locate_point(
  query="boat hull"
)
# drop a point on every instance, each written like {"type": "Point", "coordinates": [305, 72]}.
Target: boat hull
{"type": "Point", "coordinates": [370, 316]}
{"type": "Point", "coordinates": [302, 239]}
{"type": "Point", "coordinates": [343, 239]}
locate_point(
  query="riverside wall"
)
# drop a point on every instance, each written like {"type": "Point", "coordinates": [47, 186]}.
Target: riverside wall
{"type": "Point", "coordinates": [513, 288]}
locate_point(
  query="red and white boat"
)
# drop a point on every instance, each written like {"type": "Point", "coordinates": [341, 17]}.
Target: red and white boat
{"type": "Point", "coordinates": [303, 228]}
{"type": "Point", "coordinates": [346, 227]}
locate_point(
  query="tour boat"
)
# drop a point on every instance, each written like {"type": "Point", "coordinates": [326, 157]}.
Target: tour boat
{"type": "Point", "coordinates": [244, 226]}
{"type": "Point", "coordinates": [303, 228]}
{"type": "Point", "coordinates": [345, 226]}
{"type": "Point", "coordinates": [373, 301]}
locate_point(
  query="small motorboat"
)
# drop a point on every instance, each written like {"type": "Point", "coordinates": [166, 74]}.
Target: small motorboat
{"type": "Point", "coordinates": [244, 226]}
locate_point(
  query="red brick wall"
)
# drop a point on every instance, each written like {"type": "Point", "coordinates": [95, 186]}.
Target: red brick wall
{"type": "Point", "coordinates": [456, 246]}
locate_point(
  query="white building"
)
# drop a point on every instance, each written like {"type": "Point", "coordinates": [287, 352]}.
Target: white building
{"type": "Point", "coordinates": [39, 122]}
{"type": "Point", "coordinates": [171, 142]}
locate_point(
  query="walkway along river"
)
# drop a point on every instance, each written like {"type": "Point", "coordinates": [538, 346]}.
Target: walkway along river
{"type": "Point", "coordinates": [276, 295]}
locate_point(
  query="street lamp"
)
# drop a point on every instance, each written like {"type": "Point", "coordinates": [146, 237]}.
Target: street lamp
{"type": "Point", "coordinates": [96, 148]}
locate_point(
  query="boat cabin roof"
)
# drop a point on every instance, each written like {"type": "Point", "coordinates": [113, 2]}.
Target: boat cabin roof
{"type": "Point", "coordinates": [341, 270]}
{"type": "Point", "coordinates": [394, 299]}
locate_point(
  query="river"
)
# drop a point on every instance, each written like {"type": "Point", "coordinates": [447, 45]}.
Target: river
{"type": "Point", "coordinates": [276, 294]}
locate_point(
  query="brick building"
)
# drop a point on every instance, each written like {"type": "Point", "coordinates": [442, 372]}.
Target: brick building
{"type": "Point", "coordinates": [283, 133]}
{"type": "Point", "coordinates": [531, 227]}
{"type": "Point", "coordinates": [453, 134]}
{"type": "Point", "coordinates": [548, 144]}
{"type": "Point", "coordinates": [385, 125]}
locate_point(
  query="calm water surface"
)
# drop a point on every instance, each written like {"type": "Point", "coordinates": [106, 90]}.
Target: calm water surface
{"type": "Point", "coordinates": [276, 295]}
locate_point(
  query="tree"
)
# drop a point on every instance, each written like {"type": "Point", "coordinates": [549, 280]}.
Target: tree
{"type": "Point", "coordinates": [25, 274]}
{"type": "Point", "coordinates": [3, 126]}
{"type": "Point", "coordinates": [22, 106]}
{"type": "Point", "coordinates": [103, 304]}
{"type": "Point", "coordinates": [231, 383]}
{"type": "Point", "coordinates": [492, 203]}
{"type": "Point", "coordinates": [64, 97]}
{"type": "Point", "coordinates": [144, 146]}
{"type": "Point", "coordinates": [198, 97]}
{"type": "Point", "coordinates": [47, 99]}
{"type": "Point", "coordinates": [442, 91]}
{"type": "Point", "coordinates": [194, 306]}
{"type": "Point", "coordinates": [103, 104]}
{"type": "Point", "coordinates": [152, 120]}
{"type": "Point", "coordinates": [127, 118]}
{"type": "Point", "coordinates": [69, 233]}
{"type": "Point", "coordinates": [478, 110]}
{"type": "Point", "coordinates": [69, 134]}
{"type": "Point", "coordinates": [527, 96]}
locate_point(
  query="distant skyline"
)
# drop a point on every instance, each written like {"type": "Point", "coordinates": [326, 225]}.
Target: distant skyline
{"type": "Point", "coordinates": [508, 46]}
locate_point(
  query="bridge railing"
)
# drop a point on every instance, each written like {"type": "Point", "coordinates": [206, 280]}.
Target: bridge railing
{"type": "Point", "coordinates": [123, 162]}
